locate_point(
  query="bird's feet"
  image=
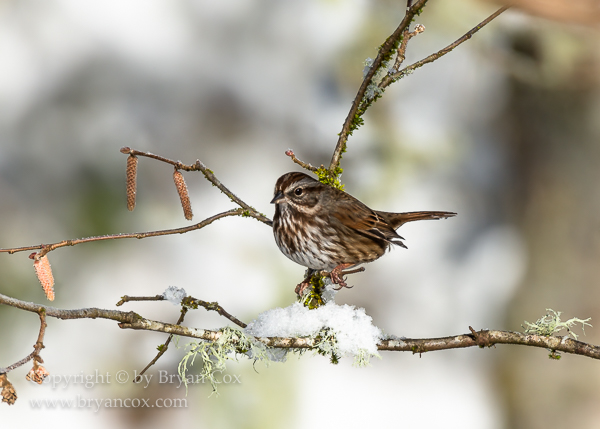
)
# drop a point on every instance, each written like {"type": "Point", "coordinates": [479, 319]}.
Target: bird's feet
{"type": "Point", "coordinates": [337, 278]}
{"type": "Point", "coordinates": [336, 275]}
{"type": "Point", "coordinates": [301, 287]}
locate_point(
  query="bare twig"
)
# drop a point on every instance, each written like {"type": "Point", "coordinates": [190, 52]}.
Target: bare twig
{"type": "Point", "coordinates": [162, 348]}
{"type": "Point", "coordinates": [211, 306]}
{"type": "Point", "coordinates": [483, 338]}
{"type": "Point", "coordinates": [37, 347]}
{"type": "Point", "coordinates": [127, 298]}
{"type": "Point", "coordinates": [431, 58]}
{"type": "Point", "coordinates": [406, 36]}
{"type": "Point", "coordinates": [139, 235]}
{"type": "Point", "coordinates": [354, 271]}
{"type": "Point", "coordinates": [302, 164]}
{"type": "Point", "coordinates": [187, 302]}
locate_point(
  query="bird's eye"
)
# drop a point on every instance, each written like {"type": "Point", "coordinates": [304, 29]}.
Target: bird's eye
{"type": "Point", "coordinates": [298, 191]}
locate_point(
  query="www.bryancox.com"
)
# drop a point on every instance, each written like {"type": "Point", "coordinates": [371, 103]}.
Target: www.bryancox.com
{"type": "Point", "coordinates": [96, 403]}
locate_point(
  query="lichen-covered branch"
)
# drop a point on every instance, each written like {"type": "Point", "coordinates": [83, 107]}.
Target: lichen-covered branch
{"type": "Point", "coordinates": [482, 338]}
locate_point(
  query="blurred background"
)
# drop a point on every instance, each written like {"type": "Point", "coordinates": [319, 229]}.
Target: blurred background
{"type": "Point", "coordinates": [504, 131]}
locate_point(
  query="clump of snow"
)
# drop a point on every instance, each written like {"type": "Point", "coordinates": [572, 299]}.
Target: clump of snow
{"type": "Point", "coordinates": [354, 331]}
{"type": "Point", "coordinates": [174, 295]}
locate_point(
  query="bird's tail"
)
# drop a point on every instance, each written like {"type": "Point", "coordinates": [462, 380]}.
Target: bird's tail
{"type": "Point", "coordinates": [399, 219]}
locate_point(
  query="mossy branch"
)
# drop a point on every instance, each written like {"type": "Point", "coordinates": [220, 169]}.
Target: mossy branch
{"type": "Point", "coordinates": [371, 89]}
{"type": "Point", "coordinates": [386, 51]}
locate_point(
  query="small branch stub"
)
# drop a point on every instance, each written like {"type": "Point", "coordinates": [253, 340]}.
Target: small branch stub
{"type": "Point", "coordinates": [132, 162]}
{"type": "Point", "coordinates": [184, 195]}
{"type": "Point", "coordinates": [302, 164]}
{"type": "Point", "coordinates": [44, 274]}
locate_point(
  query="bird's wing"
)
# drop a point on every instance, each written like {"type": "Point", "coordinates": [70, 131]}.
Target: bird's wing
{"type": "Point", "coordinates": [353, 214]}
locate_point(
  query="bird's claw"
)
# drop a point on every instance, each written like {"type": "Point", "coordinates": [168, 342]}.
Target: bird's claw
{"type": "Point", "coordinates": [301, 287]}
{"type": "Point", "coordinates": [337, 278]}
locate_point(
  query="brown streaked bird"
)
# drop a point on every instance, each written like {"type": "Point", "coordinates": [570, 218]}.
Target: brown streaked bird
{"type": "Point", "coordinates": [325, 229]}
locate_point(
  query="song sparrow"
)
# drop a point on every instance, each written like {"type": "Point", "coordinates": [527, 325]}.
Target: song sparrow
{"type": "Point", "coordinates": [326, 229]}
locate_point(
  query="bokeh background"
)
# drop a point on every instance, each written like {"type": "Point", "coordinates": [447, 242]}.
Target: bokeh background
{"type": "Point", "coordinates": [503, 131]}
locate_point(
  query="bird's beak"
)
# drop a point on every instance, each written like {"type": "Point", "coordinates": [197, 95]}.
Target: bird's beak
{"type": "Point", "coordinates": [277, 198]}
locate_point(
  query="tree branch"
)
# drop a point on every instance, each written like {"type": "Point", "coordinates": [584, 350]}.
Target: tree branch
{"type": "Point", "coordinates": [354, 115]}
{"type": "Point", "coordinates": [208, 174]}
{"type": "Point", "coordinates": [139, 235]}
{"type": "Point", "coordinates": [162, 349]}
{"type": "Point", "coordinates": [396, 42]}
{"type": "Point", "coordinates": [388, 80]}
{"type": "Point", "coordinates": [187, 302]}
{"type": "Point", "coordinates": [483, 338]}
{"type": "Point", "coordinates": [37, 347]}
{"type": "Point", "coordinates": [301, 163]}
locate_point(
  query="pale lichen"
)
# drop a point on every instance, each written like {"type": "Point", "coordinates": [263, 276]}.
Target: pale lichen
{"type": "Point", "coordinates": [215, 354]}
{"type": "Point", "coordinates": [327, 345]}
{"type": "Point", "coordinates": [551, 324]}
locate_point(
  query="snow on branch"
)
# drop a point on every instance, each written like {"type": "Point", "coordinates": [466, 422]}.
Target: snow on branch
{"type": "Point", "coordinates": [481, 338]}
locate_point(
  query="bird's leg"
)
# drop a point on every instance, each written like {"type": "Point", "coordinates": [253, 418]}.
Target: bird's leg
{"type": "Point", "coordinates": [337, 276]}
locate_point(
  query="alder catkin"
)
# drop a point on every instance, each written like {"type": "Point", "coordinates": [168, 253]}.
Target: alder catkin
{"type": "Point", "coordinates": [132, 162]}
{"type": "Point", "coordinates": [37, 374]}
{"type": "Point", "coordinates": [184, 196]}
{"type": "Point", "coordinates": [44, 274]}
{"type": "Point", "coordinates": [8, 393]}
